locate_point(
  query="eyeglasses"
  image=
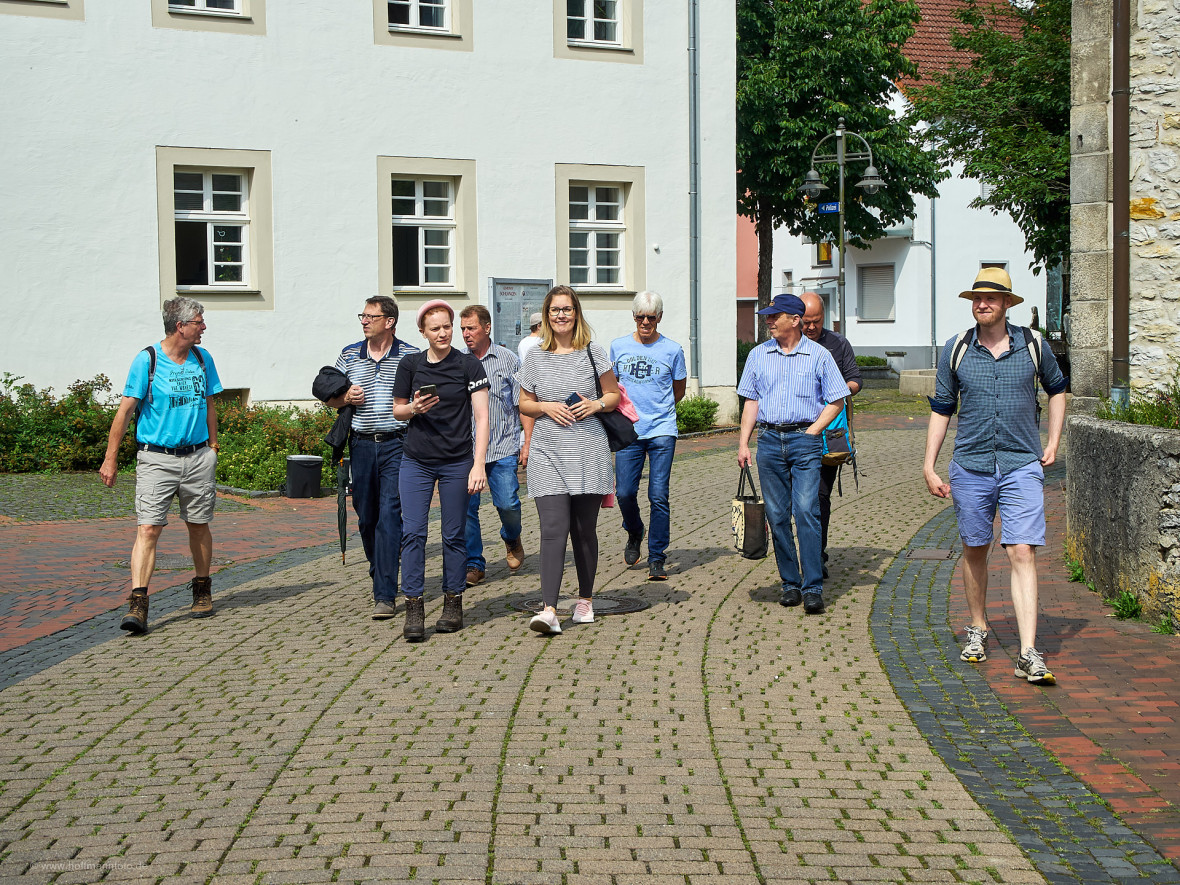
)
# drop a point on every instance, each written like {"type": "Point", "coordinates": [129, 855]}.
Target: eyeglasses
{"type": "Point", "coordinates": [200, 322]}
{"type": "Point", "coordinates": [646, 318]}
{"type": "Point", "coordinates": [559, 311]}
{"type": "Point", "coordinates": [370, 317]}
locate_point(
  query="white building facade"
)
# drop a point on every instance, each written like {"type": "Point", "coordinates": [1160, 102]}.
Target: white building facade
{"type": "Point", "coordinates": [283, 161]}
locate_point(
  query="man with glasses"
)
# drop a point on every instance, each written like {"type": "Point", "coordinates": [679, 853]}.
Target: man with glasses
{"type": "Point", "coordinates": [170, 391]}
{"type": "Point", "coordinates": [652, 369]}
{"type": "Point", "coordinates": [375, 445]}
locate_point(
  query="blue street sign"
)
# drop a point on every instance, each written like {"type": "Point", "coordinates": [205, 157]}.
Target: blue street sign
{"type": "Point", "coordinates": [828, 208]}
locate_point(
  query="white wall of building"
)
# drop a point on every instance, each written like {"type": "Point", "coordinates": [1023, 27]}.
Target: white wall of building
{"type": "Point", "coordinates": [86, 103]}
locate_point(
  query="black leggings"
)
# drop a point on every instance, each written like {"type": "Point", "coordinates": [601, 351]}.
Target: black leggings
{"type": "Point", "coordinates": [562, 516]}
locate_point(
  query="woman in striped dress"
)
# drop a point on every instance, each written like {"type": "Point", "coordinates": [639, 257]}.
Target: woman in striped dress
{"type": "Point", "coordinates": [570, 466]}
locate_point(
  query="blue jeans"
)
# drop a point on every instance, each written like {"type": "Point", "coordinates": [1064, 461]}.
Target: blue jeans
{"type": "Point", "coordinates": [375, 469]}
{"type": "Point", "coordinates": [788, 467]}
{"type": "Point", "coordinates": [504, 486]}
{"type": "Point", "coordinates": [417, 488]}
{"type": "Point", "coordinates": [628, 467]}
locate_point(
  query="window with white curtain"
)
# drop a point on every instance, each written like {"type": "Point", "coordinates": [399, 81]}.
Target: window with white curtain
{"type": "Point", "coordinates": [875, 292]}
{"type": "Point", "coordinates": [597, 231]}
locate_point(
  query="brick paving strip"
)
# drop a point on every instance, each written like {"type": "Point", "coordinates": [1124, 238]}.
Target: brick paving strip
{"type": "Point", "coordinates": [715, 736]}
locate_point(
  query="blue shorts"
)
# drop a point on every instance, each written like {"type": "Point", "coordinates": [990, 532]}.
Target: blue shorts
{"type": "Point", "coordinates": [1020, 495]}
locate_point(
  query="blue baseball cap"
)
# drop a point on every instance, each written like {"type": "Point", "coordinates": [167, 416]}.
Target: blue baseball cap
{"type": "Point", "coordinates": [785, 304]}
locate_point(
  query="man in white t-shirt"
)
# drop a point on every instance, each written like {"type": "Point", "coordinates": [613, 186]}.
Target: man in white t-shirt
{"type": "Point", "coordinates": [532, 340]}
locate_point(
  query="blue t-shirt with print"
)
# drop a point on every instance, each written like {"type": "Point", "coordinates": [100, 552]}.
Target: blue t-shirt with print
{"type": "Point", "coordinates": [177, 413]}
{"type": "Point", "coordinates": [647, 371]}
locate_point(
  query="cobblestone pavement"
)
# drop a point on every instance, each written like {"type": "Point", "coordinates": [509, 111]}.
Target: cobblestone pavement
{"type": "Point", "coordinates": [715, 736]}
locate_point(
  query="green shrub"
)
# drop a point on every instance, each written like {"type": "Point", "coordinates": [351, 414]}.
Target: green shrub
{"type": "Point", "coordinates": [871, 362]}
{"type": "Point", "coordinates": [256, 440]}
{"type": "Point", "coordinates": [695, 413]}
{"type": "Point", "coordinates": [743, 352]}
{"type": "Point", "coordinates": [1127, 606]}
{"type": "Point", "coordinates": [1157, 408]}
{"type": "Point", "coordinates": [38, 431]}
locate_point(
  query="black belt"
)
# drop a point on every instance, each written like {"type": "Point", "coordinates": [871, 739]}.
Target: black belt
{"type": "Point", "coordinates": [181, 451]}
{"type": "Point", "coordinates": [797, 427]}
{"type": "Point", "coordinates": [382, 436]}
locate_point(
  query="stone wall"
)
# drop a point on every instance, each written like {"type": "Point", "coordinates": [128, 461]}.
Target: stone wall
{"type": "Point", "coordinates": [1155, 194]}
{"type": "Point", "coordinates": [1123, 510]}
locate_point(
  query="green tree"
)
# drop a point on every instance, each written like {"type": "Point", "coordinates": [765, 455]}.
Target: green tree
{"type": "Point", "coordinates": [1004, 114]}
{"type": "Point", "coordinates": [801, 65]}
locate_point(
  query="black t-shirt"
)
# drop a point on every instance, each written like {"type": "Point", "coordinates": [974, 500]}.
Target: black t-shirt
{"type": "Point", "coordinates": [445, 432]}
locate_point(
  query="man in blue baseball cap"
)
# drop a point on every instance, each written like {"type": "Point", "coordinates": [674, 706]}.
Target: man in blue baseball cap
{"type": "Point", "coordinates": [793, 390]}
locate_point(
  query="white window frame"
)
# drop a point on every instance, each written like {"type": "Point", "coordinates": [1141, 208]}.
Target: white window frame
{"type": "Point", "coordinates": [414, 8]}
{"type": "Point", "coordinates": [455, 34]}
{"type": "Point", "coordinates": [63, 9]}
{"type": "Point", "coordinates": [632, 240]}
{"type": "Point", "coordinates": [589, 21]}
{"type": "Point", "coordinates": [460, 223]}
{"type": "Point", "coordinates": [426, 190]}
{"type": "Point", "coordinates": [591, 230]}
{"type": "Point", "coordinates": [211, 219]}
{"type": "Point", "coordinates": [202, 7]}
{"type": "Point", "coordinates": [863, 272]}
{"type": "Point", "coordinates": [627, 47]}
{"type": "Point", "coordinates": [256, 288]}
{"type": "Point", "coordinates": [247, 17]}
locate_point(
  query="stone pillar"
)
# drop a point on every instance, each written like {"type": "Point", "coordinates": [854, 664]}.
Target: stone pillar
{"type": "Point", "coordinates": [1090, 199]}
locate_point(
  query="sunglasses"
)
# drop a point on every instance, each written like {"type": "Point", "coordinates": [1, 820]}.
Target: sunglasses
{"type": "Point", "coordinates": [646, 318]}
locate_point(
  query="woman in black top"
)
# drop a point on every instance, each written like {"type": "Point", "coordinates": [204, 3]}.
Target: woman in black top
{"type": "Point", "coordinates": [439, 391]}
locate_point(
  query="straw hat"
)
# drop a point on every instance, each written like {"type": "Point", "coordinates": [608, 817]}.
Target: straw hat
{"type": "Point", "coordinates": [994, 279]}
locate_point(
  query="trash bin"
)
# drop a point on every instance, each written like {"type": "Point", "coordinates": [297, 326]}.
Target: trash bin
{"type": "Point", "coordinates": [303, 476]}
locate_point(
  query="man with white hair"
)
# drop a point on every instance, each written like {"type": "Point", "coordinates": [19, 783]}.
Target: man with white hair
{"type": "Point", "coordinates": [652, 369]}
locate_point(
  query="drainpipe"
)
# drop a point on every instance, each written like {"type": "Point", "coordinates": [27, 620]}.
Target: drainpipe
{"type": "Point", "coordinates": [694, 190]}
{"type": "Point", "coordinates": [1121, 194]}
{"type": "Point", "coordinates": [933, 289]}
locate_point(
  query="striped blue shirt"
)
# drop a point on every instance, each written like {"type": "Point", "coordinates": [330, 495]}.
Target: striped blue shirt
{"type": "Point", "coordinates": [376, 378]}
{"type": "Point", "coordinates": [997, 398]}
{"type": "Point", "coordinates": [501, 365]}
{"type": "Point", "coordinates": [791, 387]}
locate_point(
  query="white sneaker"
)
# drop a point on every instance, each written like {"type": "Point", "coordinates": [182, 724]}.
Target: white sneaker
{"type": "Point", "coordinates": [545, 622]}
{"type": "Point", "coordinates": [583, 611]}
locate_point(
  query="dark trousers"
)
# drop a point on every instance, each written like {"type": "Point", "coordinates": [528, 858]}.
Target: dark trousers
{"type": "Point", "coordinates": [375, 469]}
{"type": "Point", "coordinates": [417, 488]}
{"type": "Point", "coordinates": [573, 517]}
{"type": "Point", "coordinates": [827, 481]}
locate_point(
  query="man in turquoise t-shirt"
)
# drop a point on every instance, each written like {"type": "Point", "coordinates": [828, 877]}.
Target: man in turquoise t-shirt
{"type": "Point", "coordinates": [170, 389]}
{"type": "Point", "coordinates": [652, 369]}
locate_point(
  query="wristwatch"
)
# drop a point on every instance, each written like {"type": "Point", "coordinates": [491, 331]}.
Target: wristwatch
{"type": "Point", "coordinates": [601, 406]}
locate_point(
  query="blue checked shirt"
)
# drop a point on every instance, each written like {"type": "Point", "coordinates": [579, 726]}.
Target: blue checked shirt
{"type": "Point", "coordinates": [791, 387]}
{"type": "Point", "coordinates": [997, 402]}
{"type": "Point", "coordinates": [376, 378]}
{"type": "Point", "coordinates": [501, 365]}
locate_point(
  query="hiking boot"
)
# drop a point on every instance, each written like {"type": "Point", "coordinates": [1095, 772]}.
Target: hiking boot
{"type": "Point", "coordinates": [1031, 666]}
{"type": "Point", "coordinates": [415, 628]}
{"type": "Point", "coordinates": [514, 553]}
{"type": "Point", "coordinates": [545, 622]}
{"type": "Point", "coordinates": [813, 603]}
{"type": "Point", "coordinates": [583, 611]}
{"type": "Point", "coordinates": [135, 621]}
{"type": "Point", "coordinates": [384, 609]}
{"type": "Point", "coordinates": [474, 576]}
{"type": "Point", "coordinates": [975, 649]}
{"type": "Point", "coordinates": [655, 571]}
{"type": "Point", "coordinates": [451, 620]}
{"type": "Point", "coordinates": [202, 598]}
{"type": "Point", "coordinates": [631, 551]}
{"type": "Point", "coordinates": [791, 597]}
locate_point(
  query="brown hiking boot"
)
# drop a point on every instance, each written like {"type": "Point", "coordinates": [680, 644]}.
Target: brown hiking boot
{"type": "Point", "coordinates": [474, 576]}
{"type": "Point", "coordinates": [202, 598]}
{"type": "Point", "coordinates": [515, 553]}
{"type": "Point", "coordinates": [452, 614]}
{"type": "Point", "coordinates": [135, 621]}
{"type": "Point", "coordinates": [415, 627]}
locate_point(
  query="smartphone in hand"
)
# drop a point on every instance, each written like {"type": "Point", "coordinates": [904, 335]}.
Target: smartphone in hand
{"type": "Point", "coordinates": [572, 400]}
{"type": "Point", "coordinates": [428, 390]}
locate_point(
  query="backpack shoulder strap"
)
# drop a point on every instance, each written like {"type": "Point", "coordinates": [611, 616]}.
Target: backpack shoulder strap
{"type": "Point", "coordinates": [1034, 343]}
{"type": "Point", "coordinates": [962, 342]}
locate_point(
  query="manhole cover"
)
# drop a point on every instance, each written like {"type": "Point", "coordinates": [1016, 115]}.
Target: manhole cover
{"type": "Point", "coordinates": [603, 605]}
{"type": "Point", "coordinates": [173, 562]}
{"type": "Point", "coordinates": [931, 553]}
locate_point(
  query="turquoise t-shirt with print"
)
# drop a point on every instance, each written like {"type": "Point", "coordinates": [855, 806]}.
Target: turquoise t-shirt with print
{"type": "Point", "coordinates": [647, 371]}
{"type": "Point", "coordinates": [177, 413]}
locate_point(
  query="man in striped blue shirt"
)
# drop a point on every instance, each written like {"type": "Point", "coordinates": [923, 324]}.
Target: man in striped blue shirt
{"type": "Point", "coordinates": [375, 445]}
{"type": "Point", "coordinates": [501, 365]}
{"type": "Point", "coordinates": [793, 390]}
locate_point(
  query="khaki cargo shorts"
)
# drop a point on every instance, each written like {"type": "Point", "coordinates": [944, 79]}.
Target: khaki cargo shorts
{"type": "Point", "coordinates": [159, 477]}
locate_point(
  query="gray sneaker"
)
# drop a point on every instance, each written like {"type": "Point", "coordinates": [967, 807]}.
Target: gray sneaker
{"type": "Point", "coordinates": [1031, 666]}
{"type": "Point", "coordinates": [975, 650]}
{"type": "Point", "coordinates": [383, 611]}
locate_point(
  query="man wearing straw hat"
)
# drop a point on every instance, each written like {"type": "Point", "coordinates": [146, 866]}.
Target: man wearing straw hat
{"type": "Point", "coordinates": [991, 373]}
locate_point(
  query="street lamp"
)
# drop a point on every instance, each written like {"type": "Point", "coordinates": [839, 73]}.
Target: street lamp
{"type": "Point", "coordinates": [812, 187]}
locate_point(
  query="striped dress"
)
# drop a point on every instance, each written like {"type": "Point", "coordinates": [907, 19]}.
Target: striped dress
{"type": "Point", "coordinates": [574, 460]}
